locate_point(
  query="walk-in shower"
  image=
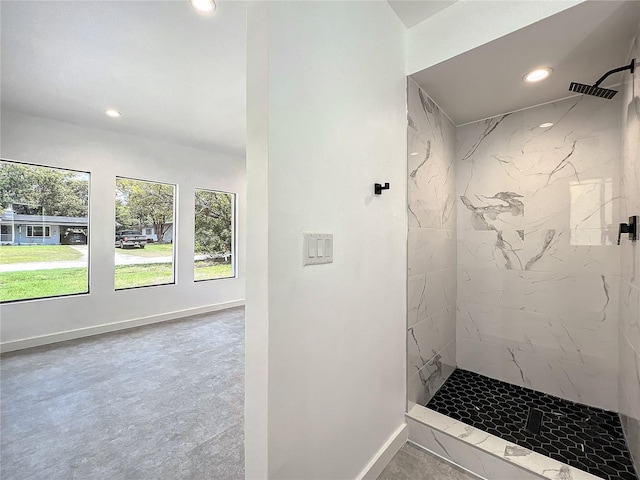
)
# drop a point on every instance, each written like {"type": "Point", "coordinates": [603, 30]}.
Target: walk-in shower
{"type": "Point", "coordinates": [523, 332]}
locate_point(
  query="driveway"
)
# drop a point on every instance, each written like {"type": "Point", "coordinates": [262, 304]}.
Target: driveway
{"type": "Point", "coordinates": [125, 259]}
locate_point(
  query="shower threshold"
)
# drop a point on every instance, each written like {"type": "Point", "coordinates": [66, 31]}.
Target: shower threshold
{"type": "Point", "coordinates": [585, 438]}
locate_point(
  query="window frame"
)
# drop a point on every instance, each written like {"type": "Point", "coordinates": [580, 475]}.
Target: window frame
{"type": "Point", "coordinates": [174, 243]}
{"type": "Point", "coordinates": [234, 234]}
{"type": "Point", "coordinates": [88, 217]}
{"type": "Point", "coordinates": [45, 228]}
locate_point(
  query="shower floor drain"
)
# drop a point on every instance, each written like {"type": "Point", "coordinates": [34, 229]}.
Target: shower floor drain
{"type": "Point", "coordinates": [584, 437]}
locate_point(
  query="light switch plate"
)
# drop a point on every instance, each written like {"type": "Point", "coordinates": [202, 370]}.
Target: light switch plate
{"type": "Point", "coordinates": [317, 248]}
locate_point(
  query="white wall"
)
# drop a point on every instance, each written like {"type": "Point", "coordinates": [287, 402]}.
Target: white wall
{"type": "Point", "coordinates": [327, 119]}
{"type": "Point", "coordinates": [256, 424]}
{"type": "Point", "coordinates": [468, 24]}
{"type": "Point", "coordinates": [105, 155]}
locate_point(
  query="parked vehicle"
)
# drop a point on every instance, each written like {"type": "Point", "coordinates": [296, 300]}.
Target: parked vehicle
{"type": "Point", "coordinates": [74, 238]}
{"type": "Point", "coordinates": [130, 239]}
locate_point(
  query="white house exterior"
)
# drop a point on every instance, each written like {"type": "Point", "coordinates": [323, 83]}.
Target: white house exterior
{"type": "Point", "coordinates": [150, 233]}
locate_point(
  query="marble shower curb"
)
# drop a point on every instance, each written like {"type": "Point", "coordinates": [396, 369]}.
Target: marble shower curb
{"type": "Point", "coordinates": [482, 453]}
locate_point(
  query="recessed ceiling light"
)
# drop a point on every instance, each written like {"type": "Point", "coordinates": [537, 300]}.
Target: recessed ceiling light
{"type": "Point", "coordinates": [413, 154]}
{"type": "Point", "coordinates": [537, 75]}
{"type": "Point", "coordinates": [546, 125]}
{"type": "Point", "coordinates": [112, 113]}
{"type": "Point", "coordinates": [204, 6]}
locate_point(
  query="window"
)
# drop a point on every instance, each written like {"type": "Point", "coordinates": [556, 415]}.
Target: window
{"type": "Point", "coordinates": [38, 231]}
{"type": "Point", "coordinates": [143, 206]}
{"type": "Point", "coordinates": [6, 233]}
{"type": "Point", "coordinates": [214, 235]}
{"type": "Point", "coordinates": [38, 205]}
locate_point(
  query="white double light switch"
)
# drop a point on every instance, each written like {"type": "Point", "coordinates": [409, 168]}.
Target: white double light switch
{"type": "Point", "coordinates": [317, 248]}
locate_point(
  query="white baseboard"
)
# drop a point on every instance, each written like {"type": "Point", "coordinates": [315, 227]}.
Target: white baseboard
{"type": "Point", "coordinates": [383, 456]}
{"type": "Point", "coordinates": [112, 327]}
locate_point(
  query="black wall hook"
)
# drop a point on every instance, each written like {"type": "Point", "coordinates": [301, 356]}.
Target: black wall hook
{"type": "Point", "coordinates": [377, 188]}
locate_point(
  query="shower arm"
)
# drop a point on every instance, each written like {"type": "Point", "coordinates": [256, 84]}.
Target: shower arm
{"type": "Point", "coordinates": [631, 67]}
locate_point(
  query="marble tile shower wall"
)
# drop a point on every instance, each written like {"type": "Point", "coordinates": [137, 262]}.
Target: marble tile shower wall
{"type": "Point", "coordinates": [538, 274]}
{"type": "Point", "coordinates": [629, 390]}
{"type": "Point", "coordinates": [431, 247]}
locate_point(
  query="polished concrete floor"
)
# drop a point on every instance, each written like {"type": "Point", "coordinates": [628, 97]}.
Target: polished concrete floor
{"type": "Point", "coordinates": [414, 463]}
{"type": "Point", "coordinates": [159, 402]}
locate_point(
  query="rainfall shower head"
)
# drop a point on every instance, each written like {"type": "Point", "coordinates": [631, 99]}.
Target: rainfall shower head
{"type": "Point", "coordinates": [595, 89]}
{"type": "Point", "coordinates": [592, 90]}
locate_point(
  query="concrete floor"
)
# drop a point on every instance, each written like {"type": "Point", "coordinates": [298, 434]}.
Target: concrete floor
{"type": "Point", "coordinates": [163, 401]}
{"type": "Point", "coordinates": [414, 463]}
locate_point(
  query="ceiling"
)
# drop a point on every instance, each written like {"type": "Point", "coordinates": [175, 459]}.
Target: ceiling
{"type": "Point", "coordinates": [181, 77]}
{"type": "Point", "coordinates": [580, 44]}
{"type": "Point", "coordinates": [412, 12]}
{"type": "Point", "coordinates": [173, 74]}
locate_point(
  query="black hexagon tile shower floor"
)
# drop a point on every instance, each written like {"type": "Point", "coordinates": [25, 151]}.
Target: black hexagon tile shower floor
{"type": "Point", "coordinates": [584, 437]}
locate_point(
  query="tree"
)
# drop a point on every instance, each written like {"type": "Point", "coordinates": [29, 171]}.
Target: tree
{"type": "Point", "coordinates": [44, 190]}
{"type": "Point", "coordinates": [213, 218]}
{"type": "Point", "coordinates": [140, 203]}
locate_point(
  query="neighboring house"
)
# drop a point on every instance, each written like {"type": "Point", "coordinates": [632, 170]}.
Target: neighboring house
{"type": "Point", "coordinates": [150, 233]}
{"type": "Point", "coordinates": [19, 229]}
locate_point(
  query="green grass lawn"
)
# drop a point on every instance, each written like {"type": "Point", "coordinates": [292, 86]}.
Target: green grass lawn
{"type": "Point", "coordinates": [206, 271]}
{"type": "Point", "coordinates": [42, 283]}
{"type": "Point", "coordinates": [128, 276]}
{"type": "Point", "coordinates": [37, 253]}
{"type": "Point", "coordinates": [66, 281]}
{"type": "Point", "coordinates": [151, 250]}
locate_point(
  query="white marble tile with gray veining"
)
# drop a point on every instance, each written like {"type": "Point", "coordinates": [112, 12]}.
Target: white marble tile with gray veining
{"type": "Point", "coordinates": [431, 183]}
{"type": "Point", "coordinates": [431, 296]}
{"type": "Point", "coordinates": [440, 289]}
{"type": "Point", "coordinates": [426, 338]}
{"type": "Point", "coordinates": [424, 384]}
{"type": "Point", "coordinates": [416, 299]}
{"type": "Point", "coordinates": [430, 250]}
{"type": "Point", "coordinates": [483, 453]}
{"type": "Point", "coordinates": [545, 334]}
{"type": "Point", "coordinates": [484, 249]}
{"type": "Point", "coordinates": [584, 250]}
{"type": "Point", "coordinates": [590, 384]}
{"type": "Point", "coordinates": [630, 93]}
{"type": "Point", "coordinates": [431, 163]}
{"type": "Point", "coordinates": [540, 250]}
{"type": "Point", "coordinates": [513, 151]}
{"type": "Point", "coordinates": [629, 339]}
{"type": "Point", "coordinates": [630, 261]}
{"type": "Point", "coordinates": [629, 380]}
{"type": "Point", "coordinates": [631, 428]}
{"type": "Point", "coordinates": [584, 297]}
{"type": "Point", "coordinates": [630, 314]}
